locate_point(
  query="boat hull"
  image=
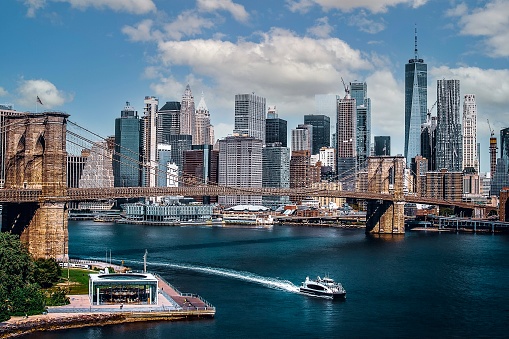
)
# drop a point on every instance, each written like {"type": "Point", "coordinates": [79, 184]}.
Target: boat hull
{"type": "Point", "coordinates": [323, 294]}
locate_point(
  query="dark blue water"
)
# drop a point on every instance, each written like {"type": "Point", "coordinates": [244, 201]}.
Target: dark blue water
{"type": "Point", "coordinates": [420, 285]}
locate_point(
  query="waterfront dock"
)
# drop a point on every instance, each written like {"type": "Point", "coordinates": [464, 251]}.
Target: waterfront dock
{"type": "Point", "coordinates": [172, 305]}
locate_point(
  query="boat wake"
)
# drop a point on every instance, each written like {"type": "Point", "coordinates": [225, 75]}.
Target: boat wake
{"type": "Point", "coordinates": [274, 283]}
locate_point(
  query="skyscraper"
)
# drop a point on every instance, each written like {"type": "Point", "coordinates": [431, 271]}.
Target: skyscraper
{"type": "Point", "coordinates": [359, 92]}
{"type": "Point", "coordinates": [168, 121]}
{"type": "Point", "coordinates": [126, 159]}
{"type": "Point", "coordinates": [449, 141]}
{"type": "Point", "coordinates": [382, 145]}
{"type": "Point", "coordinates": [250, 116]}
{"type": "Point", "coordinates": [240, 165]}
{"type": "Point", "coordinates": [346, 138]}
{"type": "Point", "coordinates": [321, 130]}
{"type": "Point", "coordinates": [276, 172]}
{"type": "Point", "coordinates": [202, 123]}
{"type": "Point", "coordinates": [276, 129]}
{"type": "Point", "coordinates": [149, 141]}
{"type": "Point", "coordinates": [188, 114]}
{"type": "Point", "coordinates": [302, 138]}
{"type": "Point", "coordinates": [470, 133]}
{"type": "Point", "coordinates": [416, 96]}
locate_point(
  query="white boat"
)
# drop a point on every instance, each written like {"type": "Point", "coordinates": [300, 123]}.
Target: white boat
{"type": "Point", "coordinates": [323, 287]}
{"type": "Point", "coordinates": [248, 219]}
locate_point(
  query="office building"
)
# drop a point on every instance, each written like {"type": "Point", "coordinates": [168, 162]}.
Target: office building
{"type": "Point", "coordinates": [302, 138]}
{"type": "Point", "coordinates": [302, 173]}
{"type": "Point", "coordinates": [382, 145]}
{"type": "Point", "coordinates": [201, 167]}
{"type": "Point", "coordinates": [240, 165]}
{"type": "Point", "coordinates": [429, 141]}
{"type": "Point", "coordinates": [179, 144]}
{"type": "Point", "coordinates": [416, 98]}
{"type": "Point", "coordinates": [346, 131]}
{"type": "Point", "coordinates": [203, 135]}
{"type": "Point", "coordinates": [149, 141]}
{"type": "Point", "coordinates": [75, 165]}
{"type": "Point", "coordinates": [168, 121]}
{"type": "Point", "coordinates": [470, 159]}
{"type": "Point", "coordinates": [359, 92]}
{"type": "Point", "coordinates": [321, 131]}
{"type": "Point", "coordinates": [276, 129]}
{"type": "Point", "coordinates": [250, 116]}
{"type": "Point", "coordinates": [126, 159]}
{"type": "Point", "coordinates": [164, 158]}
{"type": "Point", "coordinates": [449, 142]}
{"type": "Point", "coordinates": [98, 169]}
{"type": "Point", "coordinates": [327, 158]}
{"type": "Point", "coordinates": [276, 172]}
{"type": "Point", "coordinates": [504, 143]}
{"type": "Point", "coordinates": [188, 114]}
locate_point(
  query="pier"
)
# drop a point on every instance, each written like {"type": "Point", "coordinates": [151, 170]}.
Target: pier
{"type": "Point", "coordinates": [458, 224]}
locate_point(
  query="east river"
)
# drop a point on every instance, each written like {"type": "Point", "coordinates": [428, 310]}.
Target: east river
{"type": "Point", "coordinates": [420, 285]}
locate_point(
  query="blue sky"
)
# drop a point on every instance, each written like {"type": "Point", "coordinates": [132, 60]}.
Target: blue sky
{"type": "Point", "coordinates": [88, 57]}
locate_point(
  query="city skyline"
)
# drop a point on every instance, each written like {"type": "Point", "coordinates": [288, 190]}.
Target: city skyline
{"type": "Point", "coordinates": [224, 47]}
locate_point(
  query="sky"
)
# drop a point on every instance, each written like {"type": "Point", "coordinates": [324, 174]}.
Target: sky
{"type": "Point", "coordinates": [88, 57]}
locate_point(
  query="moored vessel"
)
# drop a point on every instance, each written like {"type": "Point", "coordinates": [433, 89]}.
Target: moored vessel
{"type": "Point", "coordinates": [323, 287]}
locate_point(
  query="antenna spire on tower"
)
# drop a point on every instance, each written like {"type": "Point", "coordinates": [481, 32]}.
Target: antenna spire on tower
{"type": "Point", "coordinates": [415, 44]}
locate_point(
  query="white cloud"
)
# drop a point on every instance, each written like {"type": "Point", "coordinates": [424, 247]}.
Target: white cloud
{"type": "Point", "coordinates": [130, 6]}
{"type": "Point", "coordinates": [51, 97]}
{"type": "Point", "coordinates": [491, 22]}
{"type": "Point", "coordinates": [364, 24]}
{"type": "Point", "coordinates": [322, 29]}
{"type": "Point", "coordinates": [236, 10]}
{"type": "Point", "coordinates": [374, 6]}
{"type": "Point", "coordinates": [3, 92]}
{"type": "Point", "coordinates": [142, 31]}
{"type": "Point", "coordinates": [280, 63]}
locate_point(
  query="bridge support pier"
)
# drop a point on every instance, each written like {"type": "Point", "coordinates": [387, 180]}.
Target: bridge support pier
{"type": "Point", "coordinates": [385, 217]}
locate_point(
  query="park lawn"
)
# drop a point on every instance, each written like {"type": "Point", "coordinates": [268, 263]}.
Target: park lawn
{"type": "Point", "coordinates": [78, 280]}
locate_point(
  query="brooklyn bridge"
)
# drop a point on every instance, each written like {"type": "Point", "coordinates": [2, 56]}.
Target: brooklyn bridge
{"type": "Point", "coordinates": [35, 196]}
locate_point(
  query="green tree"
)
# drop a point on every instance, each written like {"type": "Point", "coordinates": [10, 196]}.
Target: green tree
{"type": "Point", "coordinates": [47, 272]}
{"type": "Point", "coordinates": [16, 265]}
{"type": "Point", "coordinates": [58, 297]}
{"type": "Point", "coordinates": [27, 300]}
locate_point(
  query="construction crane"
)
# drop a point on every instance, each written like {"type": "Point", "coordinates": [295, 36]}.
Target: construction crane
{"type": "Point", "coordinates": [492, 132]}
{"type": "Point", "coordinates": [347, 89]}
{"type": "Point", "coordinates": [430, 110]}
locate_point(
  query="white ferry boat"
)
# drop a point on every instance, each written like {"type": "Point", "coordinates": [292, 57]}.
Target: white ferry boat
{"type": "Point", "coordinates": [323, 287]}
{"type": "Point", "coordinates": [248, 219]}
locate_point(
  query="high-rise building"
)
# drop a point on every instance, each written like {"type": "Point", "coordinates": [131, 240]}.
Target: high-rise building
{"type": "Point", "coordinates": [168, 121]}
{"type": "Point", "coordinates": [164, 158]}
{"type": "Point", "coordinates": [302, 138]}
{"type": "Point", "coordinates": [202, 123]}
{"type": "Point", "coordinates": [470, 158]}
{"type": "Point", "coordinates": [429, 141]}
{"type": "Point", "coordinates": [201, 167]}
{"type": "Point", "coordinates": [382, 145]}
{"type": "Point", "coordinates": [179, 144]}
{"type": "Point", "coordinates": [321, 131]}
{"type": "Point", "coordinates": [75, 165]}
{"type": "Point", "coordinates": [126, 159]}
{"type": "Point", "coordinates": [250, 116]}
{"type": "Point", "coordinates": [359, 92]}
{"type": "Point", "coordinates": [98, 169]}
{"type": "Point", "coordinates": [346, 131]}
{"type": "Point", "coordinates": [504, 143]}
{"type": "Point", "coordinates": [276, 172]}
{"type": "Point", "coordinates": [416, 97]}
{"type": "Point", "coordinates": [327, 158]}
{"type": "Point", "coordinates": [149, 141]}
{"type": "Point", "coordinates": [240, 165]}
{"type": "Point", "coordinates": [302, 173]}
{"type": "Point", "coordinates": [188, 114]}
{"type": "Point", "coordinates": [276, 129]}
{"type": "Point", "coordinates": [449, 141]}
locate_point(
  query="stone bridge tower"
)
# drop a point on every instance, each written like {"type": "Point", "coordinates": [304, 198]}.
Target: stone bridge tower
{"type": "Point", "coordinates": [35, 157]}
{"type": "Point", "coordinates": [386, 176]}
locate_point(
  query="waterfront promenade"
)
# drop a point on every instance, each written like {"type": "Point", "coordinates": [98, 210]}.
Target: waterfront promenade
{"type": "Point", "coordinates": [172, 305]}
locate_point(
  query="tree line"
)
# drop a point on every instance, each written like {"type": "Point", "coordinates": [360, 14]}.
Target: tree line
{"type": "Point", "coordinates": [24, 281]}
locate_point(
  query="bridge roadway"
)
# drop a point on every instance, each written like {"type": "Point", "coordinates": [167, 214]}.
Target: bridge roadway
{"type": "Point", "coordinates": [84, 194]}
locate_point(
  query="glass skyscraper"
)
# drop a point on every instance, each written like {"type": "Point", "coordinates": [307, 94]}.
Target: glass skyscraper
{"type": "Point", "coordinates": [126, 159]}
{"type": "Point", "coordinates": [359, 92]}
{"type": "Point", "coordinates": [276, 129]}
{"type": "Point", "coordinates": [449, 145]}
{"type": "Point", "coordinates": [321, 131]}
{"type": "Point", "coordinates": [250, 116]}
{"type": "Point", "coordinates": [416, 97]}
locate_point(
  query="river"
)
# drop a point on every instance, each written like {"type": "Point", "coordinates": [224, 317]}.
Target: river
{"type": "Point", "coordinates": [419, 285]}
